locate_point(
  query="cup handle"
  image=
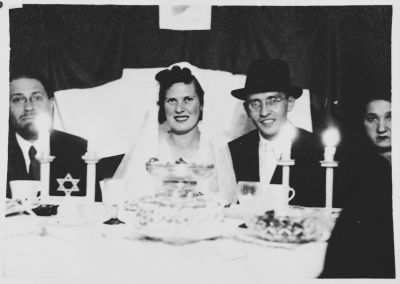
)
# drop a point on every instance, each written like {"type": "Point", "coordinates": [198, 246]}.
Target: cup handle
{"type": "Point", "coordinates": [292, 193]}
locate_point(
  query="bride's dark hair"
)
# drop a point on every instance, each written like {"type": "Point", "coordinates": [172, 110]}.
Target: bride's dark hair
{"type": "Point", "coordinates": [167, 78]}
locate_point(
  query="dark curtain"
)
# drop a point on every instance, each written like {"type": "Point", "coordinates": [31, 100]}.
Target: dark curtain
{"type": "Point", "coordinates": [339, 53]}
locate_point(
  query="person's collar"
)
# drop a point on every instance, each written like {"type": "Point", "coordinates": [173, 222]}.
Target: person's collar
{"type": "Point", "coordinates": [25, 144]}
{"type": "Point", "coordinates": [272, 143]}
{"type": "Point", "coordinates": [279, 140]}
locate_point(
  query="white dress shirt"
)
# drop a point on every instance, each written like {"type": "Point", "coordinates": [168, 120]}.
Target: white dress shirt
{"type": "Point", "coordinates": [25, 145]}
{"type": "Point", "coordinates": [269, 153]}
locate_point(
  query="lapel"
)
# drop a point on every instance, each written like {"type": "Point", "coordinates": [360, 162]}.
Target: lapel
{"type": "Point", "coordinates": [16, 162]}
{"type": "Point", "coordinates": [249, 158]}
{"type": "Point", "coordinates": [16, 168]}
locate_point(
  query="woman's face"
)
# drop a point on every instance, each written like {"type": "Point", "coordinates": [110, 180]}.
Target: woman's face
{"type": "Point", "coordinates": [182, 107]}
{"type": "Point", "coordinates": [378, 123]}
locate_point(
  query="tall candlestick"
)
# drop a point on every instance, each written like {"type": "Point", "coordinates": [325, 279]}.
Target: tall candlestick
{"type": "Point", "coordinates": [44, 179]}
{"type": "Point", "coordinates": [91, 159]}
{"type": "Point", "coordinates": [91, 181]}
{"type": "Point", "coordinates": [45, 176]}
{"type": "Point", "coordinates": [90, 146]}
{"type": "Point", "coordinates": [45, 137]}
{"type": "Point", "coordinates": [285, 175]}
{"type": "Point", "coordinates": [329, 187]}
{"type": "Point", "coordinates": [43, 125]}
{"type": "Point", "coordinates": [330, 139]}
{"type": "Point", "coordinates": [288, 134]}
{"type": "Point", "coordinates": [90, 129]}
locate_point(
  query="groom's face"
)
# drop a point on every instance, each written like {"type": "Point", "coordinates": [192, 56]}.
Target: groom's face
{"type": "Point", "coordinates": [28, 98]}
{"type": "Point", "coordinates": [269, 111]}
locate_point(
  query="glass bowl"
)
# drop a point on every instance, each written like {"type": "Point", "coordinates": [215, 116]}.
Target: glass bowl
{"type": "Point", "coordinates": [175, 172]}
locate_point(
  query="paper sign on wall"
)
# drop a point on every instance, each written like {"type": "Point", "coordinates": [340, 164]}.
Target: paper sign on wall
{"type": "Point", "coordinates": [185, 17]}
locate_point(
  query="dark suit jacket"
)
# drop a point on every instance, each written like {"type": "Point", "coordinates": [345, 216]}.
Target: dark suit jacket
{"type": "Point", "coordinates": [68, 151]}
{"type": "Point", "coordinates": [361, 245]}
{"type": "Point", "coordinates": [306, 176]}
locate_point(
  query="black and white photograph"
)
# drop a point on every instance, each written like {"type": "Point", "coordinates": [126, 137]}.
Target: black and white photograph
{"type": "Point", "coordinates": [199, 142]}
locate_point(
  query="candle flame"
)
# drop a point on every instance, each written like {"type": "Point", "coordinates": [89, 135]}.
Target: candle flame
{"type": "Point", "coordinates": [289, 132]}
{"type": "Point", "coordinates": [331, 137]}
{"type": "Point", "coordinates": [43, 122]}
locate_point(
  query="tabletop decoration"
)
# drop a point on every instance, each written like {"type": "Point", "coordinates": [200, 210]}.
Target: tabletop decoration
{"type": "Point", "coordinates": [285, 160]}
{"type": "Point", "coordinates": [330, 138]}
{"type": "Point", "coordinates": [180, 177]}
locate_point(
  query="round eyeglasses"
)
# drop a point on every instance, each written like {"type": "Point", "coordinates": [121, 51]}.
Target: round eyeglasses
{"type": "Point", "coordinates": [255, 105]}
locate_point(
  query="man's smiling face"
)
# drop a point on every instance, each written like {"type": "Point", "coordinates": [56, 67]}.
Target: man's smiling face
{"type": "Point", "coordinates": [272, 113]}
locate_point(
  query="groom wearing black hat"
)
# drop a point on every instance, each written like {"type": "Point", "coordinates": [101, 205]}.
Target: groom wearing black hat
{"type": "Point", "coordinates": [268, 97]}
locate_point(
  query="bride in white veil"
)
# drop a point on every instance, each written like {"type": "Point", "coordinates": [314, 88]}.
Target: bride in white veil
{"type": "Point", "coordinates": [173, 131]}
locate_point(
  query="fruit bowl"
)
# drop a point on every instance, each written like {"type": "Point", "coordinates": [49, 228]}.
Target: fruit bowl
{"type": "Point", "coordinates": [295, 225]}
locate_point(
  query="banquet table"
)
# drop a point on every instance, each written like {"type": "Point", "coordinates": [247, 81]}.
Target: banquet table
{"type": "Point", "coordinates": [44, 247]}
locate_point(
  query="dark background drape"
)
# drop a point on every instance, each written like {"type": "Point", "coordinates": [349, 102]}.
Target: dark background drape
{"type": "Point", "coordinates": [340, 53]}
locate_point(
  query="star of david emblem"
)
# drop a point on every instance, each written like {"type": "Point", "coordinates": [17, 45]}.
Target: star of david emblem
{"type": "Point", "coordinates": [68, 179]}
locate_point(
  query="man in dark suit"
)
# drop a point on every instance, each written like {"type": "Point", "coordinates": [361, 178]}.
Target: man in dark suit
{"type": "Point", "coordinates": [268, 97]}
{"type": "Point", "coordinates": [31, 95]}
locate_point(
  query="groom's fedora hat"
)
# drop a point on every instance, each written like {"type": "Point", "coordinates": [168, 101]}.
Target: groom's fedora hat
{"type": "Point", "coordinates": [267, 75]}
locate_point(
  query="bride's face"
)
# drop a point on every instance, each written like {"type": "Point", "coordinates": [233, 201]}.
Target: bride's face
{"type": "Point", "coordinates": [182, 107]}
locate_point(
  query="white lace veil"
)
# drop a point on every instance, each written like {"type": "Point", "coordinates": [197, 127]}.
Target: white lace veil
{"type": "Point", "coordinates": [132, 168]}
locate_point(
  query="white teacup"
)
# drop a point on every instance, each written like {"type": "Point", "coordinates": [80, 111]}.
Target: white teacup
{"type": "Point", "coordinates": [258, 198]}
{"type": "Point", "coordinates": [25, 190]}
{"type": "Point", "coordinates": [277, 196]}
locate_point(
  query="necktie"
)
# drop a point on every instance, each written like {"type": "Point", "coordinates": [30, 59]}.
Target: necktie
{"type": "Point", "coordinates": [34, 166]}
{"type": "Point", "coordinates": [269, 163]}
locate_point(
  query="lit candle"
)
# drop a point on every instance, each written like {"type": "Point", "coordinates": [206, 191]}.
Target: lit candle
{"type": "Point", "coordinates": [43, 125]}
{"type": "Point", "coordinates": [90, 134]}
{"type": "Point", "coordinates": [90, 145]}
{"type": "Point", "coordinates": [288, 134]}
{"type": "Point", "coordinates": [330, 138]}
{"type": "Point", "coordinates": [91, 160]}
{"type": "Point", "coordinates": [91, 179]}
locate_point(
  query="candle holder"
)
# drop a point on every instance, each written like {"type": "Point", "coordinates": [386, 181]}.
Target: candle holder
{"type": "Point", "coordinates": [91, 160]}
{"type": "Point", "coordinates": [45, 160]}
{"type": "Point", "coordinates": [286, 164]}
{"type": "Point", "coordinates": [329, 165]}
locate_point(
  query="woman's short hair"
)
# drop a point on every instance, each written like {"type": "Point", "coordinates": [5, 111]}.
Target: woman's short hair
{"type": "Point", "coordinates": [378, 96]}
{"type": "Point", "coordinates": [167, 78]}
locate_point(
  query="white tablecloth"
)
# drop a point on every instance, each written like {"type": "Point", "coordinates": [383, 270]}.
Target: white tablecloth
{"type": "Point", "coordinates": [114, 252]}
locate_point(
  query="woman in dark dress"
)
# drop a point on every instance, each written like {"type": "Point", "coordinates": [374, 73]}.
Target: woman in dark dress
{"type": "Point", "coordinates": [361, 245]}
